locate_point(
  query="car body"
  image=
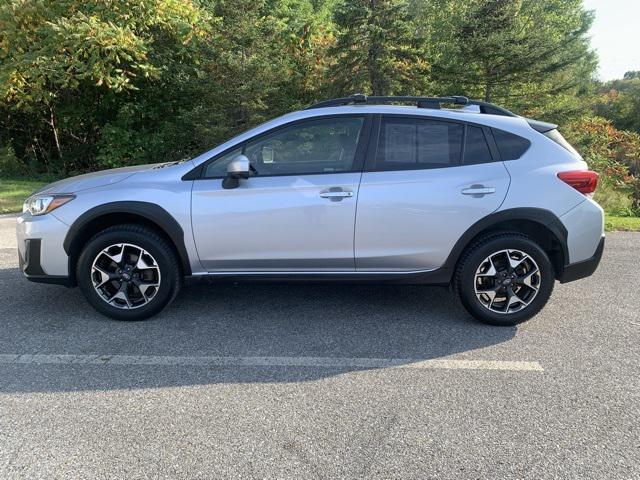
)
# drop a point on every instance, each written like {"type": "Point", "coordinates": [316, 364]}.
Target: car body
{"type": "Point", "coordinates": [355, 191]}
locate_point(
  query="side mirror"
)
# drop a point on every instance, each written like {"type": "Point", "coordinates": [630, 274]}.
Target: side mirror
{"type": "Point", "coordinates": [238, 168]}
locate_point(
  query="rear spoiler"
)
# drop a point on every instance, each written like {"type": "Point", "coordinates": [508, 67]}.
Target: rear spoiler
{"type": "Point", "coordinates": [541, 127]}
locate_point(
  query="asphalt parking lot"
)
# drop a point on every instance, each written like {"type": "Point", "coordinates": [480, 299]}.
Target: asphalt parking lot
{"type": "Point", "coordinates": [330, 381]}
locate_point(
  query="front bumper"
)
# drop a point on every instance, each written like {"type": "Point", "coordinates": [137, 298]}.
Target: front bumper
{"type": "Point", "coordinates": [585, 268]}
{"type": "Point", "coordinates": [41, 255]}
{"type": "Point", "coordinates": [29, 261]}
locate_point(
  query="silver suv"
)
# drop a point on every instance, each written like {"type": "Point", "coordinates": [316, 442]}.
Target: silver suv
{"type": "Point", "coordinates": [370, 189]}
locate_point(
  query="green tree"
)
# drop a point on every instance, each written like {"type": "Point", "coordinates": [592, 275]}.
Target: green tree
{"type": "Point", "coordinates": [377, 50]}
{"type": "Point", "coordinates": [517, 52]}
{"type": "Point", "coordinates": [86, 84]}
{"type": "Point", "coordinates": [67, 67]}
{"type": "Point", "coordinates": [620, 102]}
{"type": "Point", "coordinates": [263, 58]}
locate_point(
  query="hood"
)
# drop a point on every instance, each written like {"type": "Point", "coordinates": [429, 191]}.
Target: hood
{"type": "Point", "coordinates": [95, 179]}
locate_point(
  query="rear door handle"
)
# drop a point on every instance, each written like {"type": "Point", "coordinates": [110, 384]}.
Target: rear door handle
{"type": "Point", "coordinates": [478, 190]}
{"type": "Point", "coordinates": [335, 194]}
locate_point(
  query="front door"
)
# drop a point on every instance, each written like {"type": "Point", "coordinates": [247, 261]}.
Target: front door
{"type": "Point", "coordinates": [296, 212]}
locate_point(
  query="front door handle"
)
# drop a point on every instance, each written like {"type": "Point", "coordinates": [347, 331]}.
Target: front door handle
{"type": "Point", "coordinates": [336, 194]}
{"type": "Point", "coordinates": [478, 190]}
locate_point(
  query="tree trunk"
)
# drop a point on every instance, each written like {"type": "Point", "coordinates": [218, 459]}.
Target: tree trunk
{"type": "Point", "coordinates": [488, 90]}
{"type": "Point", "coordinates": [54, 129]}
{"type": "Point", "coordinates": [372, 57]}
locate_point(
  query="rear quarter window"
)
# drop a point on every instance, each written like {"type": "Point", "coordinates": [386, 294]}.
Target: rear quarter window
{"type": "Point", "coordinates": [510, 146]}
{"type": "Point", "coordinates": [476, 149]}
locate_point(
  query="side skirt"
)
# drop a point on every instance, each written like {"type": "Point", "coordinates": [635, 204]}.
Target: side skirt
{"type": "Point", "coordinates": [439, 276]}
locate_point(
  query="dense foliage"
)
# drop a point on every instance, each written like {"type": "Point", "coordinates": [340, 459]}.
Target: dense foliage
{"type": "Point", "coordinates": [89, 84]}
{"type": "Point", "coordinates": [619, 100]}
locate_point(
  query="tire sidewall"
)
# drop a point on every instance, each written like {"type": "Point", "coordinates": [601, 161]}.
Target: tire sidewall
{"type": "Point", "coordinates": [479, 254]}
{"type": "Point", "coordinates": [149, 242]}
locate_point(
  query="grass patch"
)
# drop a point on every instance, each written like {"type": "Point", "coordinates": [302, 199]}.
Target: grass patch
{"type": "Point", "coordinates": [14, 191]}
{"type": "Point", "coordinates": [624, 224]}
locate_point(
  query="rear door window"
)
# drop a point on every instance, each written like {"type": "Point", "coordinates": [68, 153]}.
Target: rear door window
{"type": "Point", "coordinates": [413, 144]}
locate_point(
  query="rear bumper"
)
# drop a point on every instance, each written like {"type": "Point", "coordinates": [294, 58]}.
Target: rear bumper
{"type": "Point", "coordinates": [584, 268]}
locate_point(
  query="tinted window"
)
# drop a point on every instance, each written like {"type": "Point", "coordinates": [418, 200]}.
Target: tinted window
{"type": "Point", "coordinates": [476, 149]}
{"type": "Point", "coordinates": [317, 146]}
{"type": "Point", "coordinates": [410, 144]}
{"type": "Point", "coordinates": [218, 168]}
{"type": "Point", "coordinates": [510, 146]}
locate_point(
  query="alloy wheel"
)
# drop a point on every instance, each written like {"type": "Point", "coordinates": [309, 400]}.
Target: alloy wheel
{"type": "Point", "coordinates": [507, 281]}
{"type": "Point", "coordinates": [125, 276]}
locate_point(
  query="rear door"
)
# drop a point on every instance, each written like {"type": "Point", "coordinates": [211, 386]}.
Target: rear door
{"type": "Point", "coordinates": [426, 181]}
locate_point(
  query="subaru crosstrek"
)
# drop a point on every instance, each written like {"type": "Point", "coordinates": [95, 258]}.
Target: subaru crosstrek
{"type": "Point", "coordinates": [368, 189]}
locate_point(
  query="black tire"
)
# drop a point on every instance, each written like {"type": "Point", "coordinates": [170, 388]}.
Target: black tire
{"type": "Point", "coordinates": [477, 253]}
{"type": "Point", "coordinates": [146, 238]}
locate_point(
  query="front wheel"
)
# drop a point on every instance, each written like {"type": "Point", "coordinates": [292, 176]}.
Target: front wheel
{"type": "Point", "coordinates": [504, 279]}
{"type": "Point", "coordinates": [128, 272]}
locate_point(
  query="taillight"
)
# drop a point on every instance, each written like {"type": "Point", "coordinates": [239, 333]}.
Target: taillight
{"type": "Point", "coordinates": [585, 181]}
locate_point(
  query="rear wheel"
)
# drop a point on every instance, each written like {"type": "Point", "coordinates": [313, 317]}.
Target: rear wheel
{"type": "Point", "coordinates": [504, 279]}
{"type": "Point", "coordinates": [128, 272]}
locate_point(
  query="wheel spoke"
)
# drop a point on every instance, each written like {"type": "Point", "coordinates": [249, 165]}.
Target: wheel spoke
{"type": "Point", "coordinates": [526, 279]}
{"type": "Point", "coordinates": [491, 272]}
{"type": "Point", "coordinates": [104, 276]}
{"type": "Point", "coordinates": [144, 286]}
{"type": "Point", "coordinates": [117, 258]}
{"type": "Point", "coordinates": [492, 296]}
{"type": "Point", "coordinates": [515, 263]}
{"type": "Point", "coordinates": [483, 289]}
{"type": "Point", "coordinates": [121, 294]}
{"type": "Point", "coordinates": [142, 263]}
{"type": "Point", "coordinates": [513, 299]}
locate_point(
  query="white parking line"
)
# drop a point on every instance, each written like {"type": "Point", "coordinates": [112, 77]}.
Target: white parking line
{"type": "Point", "coordinates": [328, 362]}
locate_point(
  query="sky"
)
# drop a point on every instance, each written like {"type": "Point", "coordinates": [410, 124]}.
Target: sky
{"type": "Point", "coordinates": [615, 35]}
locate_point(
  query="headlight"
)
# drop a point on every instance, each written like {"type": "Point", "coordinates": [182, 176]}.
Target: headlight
{"type": "Point", "coordinates": [41, 204]}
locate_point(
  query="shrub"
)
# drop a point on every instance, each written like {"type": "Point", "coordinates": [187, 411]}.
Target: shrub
{"type": "Point", "coordinates": [615, 155]}
{"type": "Point", "coordinates": [615, 201]}
{"type": "Point", "coordinates": [9, 165]}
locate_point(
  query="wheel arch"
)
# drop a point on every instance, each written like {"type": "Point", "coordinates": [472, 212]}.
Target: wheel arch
{"type": "Point", "coordinates": [541, 225]}
{"type": "Point", "coordinates": [141, 213]}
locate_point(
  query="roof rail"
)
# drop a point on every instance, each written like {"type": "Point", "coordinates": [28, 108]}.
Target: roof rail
{"type": "Point", "coordinates": [421, 102]}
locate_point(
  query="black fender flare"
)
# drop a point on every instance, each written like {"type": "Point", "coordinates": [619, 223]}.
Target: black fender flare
{"type": "Point", "coordinates": [542, 216]}
{"type": "Point", "coordinates": [146, 210]}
